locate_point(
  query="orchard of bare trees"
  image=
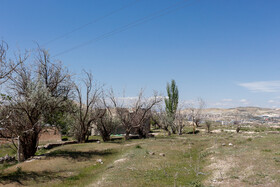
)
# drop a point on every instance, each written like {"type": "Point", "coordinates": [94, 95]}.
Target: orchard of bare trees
{"type": "Point", "coordinates": [38, 91]}
{"type": "Point", "coordinates": [175, 115]}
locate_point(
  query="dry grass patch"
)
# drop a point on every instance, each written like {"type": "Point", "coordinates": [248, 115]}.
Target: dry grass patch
{"type": "Point", "coordinates": [248, 162]}
{"type": "Point", "coordinates": [63, 166]}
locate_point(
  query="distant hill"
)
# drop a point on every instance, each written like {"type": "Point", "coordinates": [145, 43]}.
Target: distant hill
{"type": "Point", "coordinates": [254, 111]}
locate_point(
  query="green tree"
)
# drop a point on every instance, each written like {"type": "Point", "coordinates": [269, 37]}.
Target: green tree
{"type": "Point", "coordinates": [171, 102]}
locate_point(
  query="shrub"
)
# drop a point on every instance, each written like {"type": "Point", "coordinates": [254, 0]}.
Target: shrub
{"type": "Point", "coordinates": [64, 138]}
{"type": "Point", "coordinates": [249, 139]}
{"type": "Point", "coordinates": [138, 147]}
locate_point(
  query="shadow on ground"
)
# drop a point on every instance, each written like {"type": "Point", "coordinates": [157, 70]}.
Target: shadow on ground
{"type": "Point", "coordinates": [79, 155]}
{"type": "Point", "coordinates": [195, 132]}
{"type": "Point", "coordinates": [117, 140]}
{"type": "Point", "coordinates": [19, 176]}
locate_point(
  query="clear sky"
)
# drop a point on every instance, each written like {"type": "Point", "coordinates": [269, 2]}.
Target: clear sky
{"type": "Point", "coordinates": [224, 51]}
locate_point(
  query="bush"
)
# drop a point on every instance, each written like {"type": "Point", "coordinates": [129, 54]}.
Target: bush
{"type": "Point", "coordinates": [64, 138]}
{"type": "Point", "coordinates": [138, 147]}
{"type": "Point", "coordinates": [249, 139]}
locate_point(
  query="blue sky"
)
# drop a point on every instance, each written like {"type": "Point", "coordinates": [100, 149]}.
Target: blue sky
{"type": "Point", "coordinates": [224, 51]}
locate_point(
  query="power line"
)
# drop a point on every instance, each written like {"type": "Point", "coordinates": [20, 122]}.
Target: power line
{"type": "Point", "coordinates": [91, 22]}
{"type": "Point", "coordinates": [137, 22]}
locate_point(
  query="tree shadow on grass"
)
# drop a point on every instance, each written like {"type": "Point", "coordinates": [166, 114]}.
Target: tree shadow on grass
{"type": "Point", "coordinates": [20, 176]}
{"type": "Point", "coordinates": [195, 132]}
{"type": "Point", "coordinates": [117, 140]}
{"type": "Point", "coordinates": [80, 155]}
{"type": "Point", "coordinates": [92, 140]}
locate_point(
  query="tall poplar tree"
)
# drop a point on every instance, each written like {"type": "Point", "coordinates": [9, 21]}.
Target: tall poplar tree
{"type": "Point", "coordinates": [171, 102]}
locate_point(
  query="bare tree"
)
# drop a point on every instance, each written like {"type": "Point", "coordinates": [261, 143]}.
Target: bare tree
{"type": "Point", "coordinates": [208, 126]}
{"type": "Point", "coordinates": [25, 119]}
{"type": "Point", "coordinates": [57, 80]}
{"type": "Point", "coordinates": [180, 120]}
{"type": "Point", "coordinates": [56, 77]}
{"type": "Point", "coordinates": [137, 115]}
{"type": "Point", "coordinates": [29, 105]}
{"type": "Point", "coordinates": [7, 65]}
{"type": "Point", "coordinates": [108, 121]}
{"type": "Point", "coordinates": [107, 125]}
{"type": "Point", "coordinates": [164, 120]}
{"type": "Point", "coordinates": [171, 123]}
{"type": "Point", "coordinates": [167, 122]}
{"type": "Point", "coordinates": [196, 113]}
{"type": "Point", "coordinates": [87, 111]}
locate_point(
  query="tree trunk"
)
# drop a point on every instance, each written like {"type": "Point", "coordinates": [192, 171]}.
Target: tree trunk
{"type": "Point", "coordinates": [140, 133]}
{"type": "Point", "coordinates": [167, 130]}
{"type": "Point", "coordinates": [105, 136]}
{"type": "Point", "coordinates": [127, 135]}
{"type": "Point", "coordinates": [82, 138]}
{"type": "Point", "coordinates": [28, 142]}
{"type": "Point", "coordinates": [180, 130]}
{"type": "Point", "coordinates": [173, 129]}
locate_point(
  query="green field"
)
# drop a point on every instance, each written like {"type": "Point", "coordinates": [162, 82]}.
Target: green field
{"type": "Point", "coordinates": [225, 158]}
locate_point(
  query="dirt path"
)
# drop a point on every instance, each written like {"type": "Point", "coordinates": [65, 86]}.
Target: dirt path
{"type": "Point", "coordinates": [219, 167]}
{"type": "Point", "coordinates": [103, 179]}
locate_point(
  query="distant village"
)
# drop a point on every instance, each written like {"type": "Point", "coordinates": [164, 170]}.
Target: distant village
{"type": "Point", "coordinates": [243, 115]}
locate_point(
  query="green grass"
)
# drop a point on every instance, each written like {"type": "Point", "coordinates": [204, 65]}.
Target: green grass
{"type": "Point", "coordinates": [87, 174]}
{"type": "Point", "coordinates": [6, 149]}
{"type": "Point", "coordinates": [63, 166]}
{"type": "Point", "coordinates": [253, 159]}
{"type": "Point", "coordinates": [75, 165]}
{"type": "Point", "coordinates": [181, 165]}
{"type": "Point", "coordinates": [6, 165]}
{"type": "Point", "coordinates": [41, 152]}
